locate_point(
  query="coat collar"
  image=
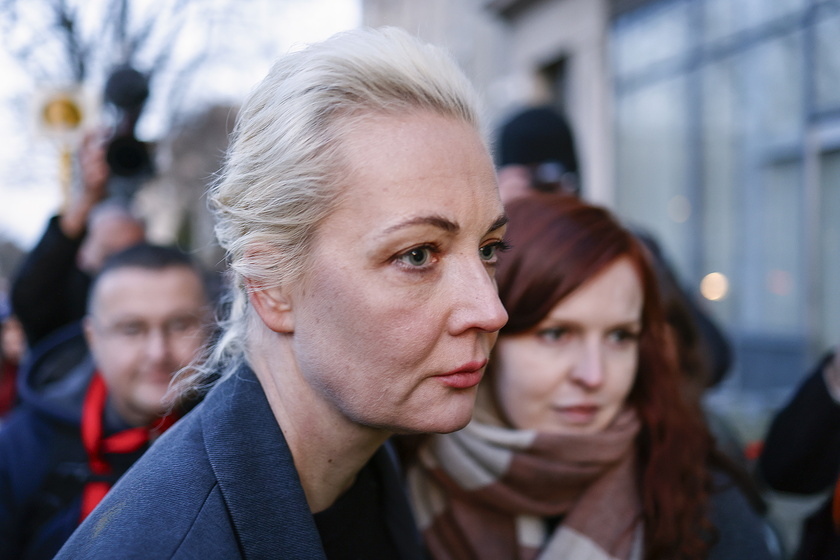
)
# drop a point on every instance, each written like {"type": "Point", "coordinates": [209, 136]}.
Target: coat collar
{"type": "Point", "coordinates": [260, 484]}
{"type": "Point", "coordinates": [256, 472]}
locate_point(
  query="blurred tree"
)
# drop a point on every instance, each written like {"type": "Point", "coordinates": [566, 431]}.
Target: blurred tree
{"type": "Point", "coordinates": [196, 54]}
{"type": "Point", "coordinates": [79, 42]}
{"type": "Point", "coordinates": [189, 51]}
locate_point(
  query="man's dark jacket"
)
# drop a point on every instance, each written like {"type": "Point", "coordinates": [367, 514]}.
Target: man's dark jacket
{"type": "Point", "coordinates": [222, 484]}
{"type": "Point", "coordinates": [802, 455]}
{"type": "Point", "coordinates": [43, 462]}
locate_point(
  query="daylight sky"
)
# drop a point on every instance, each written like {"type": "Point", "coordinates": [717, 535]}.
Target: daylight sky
{"type": "Point", "coordinates": [26, 204]}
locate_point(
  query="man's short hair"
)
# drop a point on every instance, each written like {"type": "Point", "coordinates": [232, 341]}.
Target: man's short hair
{"type": "Point", "coordinates": [149, 257]}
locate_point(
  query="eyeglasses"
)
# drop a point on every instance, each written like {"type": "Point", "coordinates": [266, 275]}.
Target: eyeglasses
{"type": "Point", "coordinates": [137, 330]}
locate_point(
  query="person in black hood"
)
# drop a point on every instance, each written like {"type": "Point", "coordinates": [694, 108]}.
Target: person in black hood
{"type": "Point", "coordinates": [94, 395]}
{"type": "Point", "coordinates": [801, 455]}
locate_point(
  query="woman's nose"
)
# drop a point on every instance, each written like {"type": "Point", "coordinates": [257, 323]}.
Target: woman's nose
{"type": "Point", "coordinates": [476, 303]}
{"type": "Point", "coordinates": [589, 370]}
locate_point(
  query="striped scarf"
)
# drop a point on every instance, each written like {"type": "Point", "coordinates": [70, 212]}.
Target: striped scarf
{"type": "Point", "coordinates": [486, 492]}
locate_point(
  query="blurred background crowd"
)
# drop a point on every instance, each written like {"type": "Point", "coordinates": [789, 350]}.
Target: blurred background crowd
{"type": "Point", "coordinates": [712, 126]}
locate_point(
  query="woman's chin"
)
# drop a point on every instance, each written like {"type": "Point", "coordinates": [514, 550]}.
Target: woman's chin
{"type": "Point", "coordinates": [443, 422]}
{"type": "Point", "coordinates": [438, 413]}
{"type": "Point", "coordinates": [454, 427]}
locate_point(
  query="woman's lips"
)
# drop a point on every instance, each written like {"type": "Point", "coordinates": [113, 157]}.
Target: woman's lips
{"type": "Point", "coordinates": [468, 375]}
{"type": "Point", "coordinates": [578, 414]}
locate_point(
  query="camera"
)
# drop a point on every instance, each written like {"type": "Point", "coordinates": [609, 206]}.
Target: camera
{"type": "Point", "coordinates": [126, 90]}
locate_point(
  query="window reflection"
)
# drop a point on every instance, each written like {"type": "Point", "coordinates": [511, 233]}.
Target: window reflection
{"type": "Point", "coordinates": [652, 156]}
{"type": "Point", "coordinates": [829, 249]}
{"type": "Point", "coordinates": [827, 87]}
{"type": "Point", "coordinates": [774, 293]}
{"type": "Point", "coordinates": [724, 18]}
{"type": "Point", "coordinates": [719, 118]}
{"type": "Point", "coordinates": [638, 42]}
{"type": "Point", "coordinates": [774, 84]}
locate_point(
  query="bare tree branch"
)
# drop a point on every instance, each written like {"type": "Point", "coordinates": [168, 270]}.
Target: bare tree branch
{"type": "Point", "coordinates": [83, 41]}
{"type": "Point", "coordinates": [66, 25]}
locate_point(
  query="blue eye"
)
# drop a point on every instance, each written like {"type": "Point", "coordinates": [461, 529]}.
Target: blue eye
{"type": "Point", "coordinates": [418, 256]}
{"type": "Point", "coordinates": [490, 251]}
{"type": "Point", "coordinates": [487, 252]}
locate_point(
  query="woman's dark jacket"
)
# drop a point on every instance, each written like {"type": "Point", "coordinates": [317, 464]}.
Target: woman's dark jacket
{"type": "Point", "coordinates": [802, 455]}
{"type": "Point", "coordinates": [222, 484]}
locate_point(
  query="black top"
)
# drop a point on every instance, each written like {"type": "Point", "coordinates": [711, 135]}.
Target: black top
{"type": "Point", "coordinates": [801, 455]}
{"type": "Point", "coordinates": [355, 527]}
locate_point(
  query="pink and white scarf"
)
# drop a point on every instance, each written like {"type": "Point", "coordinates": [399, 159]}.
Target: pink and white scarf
{"type": "Point", "coordinates": [484, 492]}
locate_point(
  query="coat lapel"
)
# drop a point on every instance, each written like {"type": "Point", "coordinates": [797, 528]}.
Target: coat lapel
{"type": "Point", "coordinates": [256, 473]}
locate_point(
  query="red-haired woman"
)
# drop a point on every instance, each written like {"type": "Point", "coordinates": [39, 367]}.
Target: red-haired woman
{"type": "Point", "coordinates": [581, 445]}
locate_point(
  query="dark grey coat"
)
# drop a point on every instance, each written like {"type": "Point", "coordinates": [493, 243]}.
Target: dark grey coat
{"type": "Point", "coordinates": [221, 484]}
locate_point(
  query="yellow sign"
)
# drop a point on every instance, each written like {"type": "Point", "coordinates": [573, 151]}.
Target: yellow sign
{"type": "Point", "coordinates": [62, 112]}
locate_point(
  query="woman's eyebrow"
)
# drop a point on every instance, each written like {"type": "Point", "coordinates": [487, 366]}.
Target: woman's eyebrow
{"type": "Point", "coordinates": [435, 221]}
{"type": "Point", "coordinates": [442, 223]}
{"type": "Point", "coordinates": [500, 221]}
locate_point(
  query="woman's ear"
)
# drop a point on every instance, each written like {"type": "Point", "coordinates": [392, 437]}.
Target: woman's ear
{"type": "Point", "coordinates": [273, 305]}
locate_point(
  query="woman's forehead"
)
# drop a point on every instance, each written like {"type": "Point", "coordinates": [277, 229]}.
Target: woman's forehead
{"type": "Point", "coordinates": [415, 156]}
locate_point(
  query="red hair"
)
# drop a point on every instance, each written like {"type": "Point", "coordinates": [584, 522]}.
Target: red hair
{"type": "Point", "coordinates": [558, 243]}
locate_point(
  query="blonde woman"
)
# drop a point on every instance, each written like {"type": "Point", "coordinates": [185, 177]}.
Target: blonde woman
{"type": "Point", "coordinates": [361, 216]}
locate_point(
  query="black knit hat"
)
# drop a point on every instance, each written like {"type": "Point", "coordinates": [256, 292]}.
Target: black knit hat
{"type": "Point", "coordinates": [536, 136]}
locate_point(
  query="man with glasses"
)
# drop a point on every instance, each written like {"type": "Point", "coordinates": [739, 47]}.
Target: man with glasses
{"type": "Point", "coordinates": [86, 417]}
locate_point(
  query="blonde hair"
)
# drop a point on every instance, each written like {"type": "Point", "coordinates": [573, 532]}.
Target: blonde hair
{"type": "Point", "coordinates": [284, 169]}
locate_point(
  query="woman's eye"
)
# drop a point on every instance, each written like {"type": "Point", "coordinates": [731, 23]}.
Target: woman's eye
{"type": "Point", "coordinates": [487, 252]}
{"type": "Point", "coordinates": [490, 251]}
{"type": "Point", "coordinates": [418, 256]}
{"type": "Point", "coordinates": [623, 335]}
{"type": "Point", "coordinates": [553, 334]}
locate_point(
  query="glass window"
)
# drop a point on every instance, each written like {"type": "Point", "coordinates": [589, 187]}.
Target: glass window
{"type": "Point", "coordinates": [827, 76]}
{"type": "Point", "coordinates": [774, 290]}
{"type": "Point", "coordinates": [653, 35]}
{"type": "Point", "coordinates": [758, 12]}
{"type": "Point", "coordinates": [774, 107]}
{"type": "Point", "coordinates": [719, 19]}
{"type": "Point", "coordinates": [722, 157]}
{"type": "Point", "coordinates": [652, 152]}
{"type": "Point", "coordinates": [723, 125]}
{"type": "Point", "coordinates": [724, 18]}
{"type": "Point", "coordinates": [830, 249]}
